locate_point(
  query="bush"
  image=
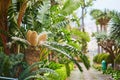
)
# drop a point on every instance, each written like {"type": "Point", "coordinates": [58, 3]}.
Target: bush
{"type": "Point", "coordinates": [103, 56]}
{"type": "Point", "coordinates": [95, 58]}
{"type": "Point", "coordinates": [62, 72]}
{"type": "Point", "coordinates": [114, 73]}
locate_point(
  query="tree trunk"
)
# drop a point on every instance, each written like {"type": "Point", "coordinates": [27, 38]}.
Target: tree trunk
{"type": "Point", "coordinates": [100, 27]}
{"type": "Point", "coordinates": [4, 5]}
{"type": "Point", "coordinates": [98, 49]}
{"type": "Point", "coordinates": [105, 28]}
{"type": "Point", "coordinates": [83, 25]}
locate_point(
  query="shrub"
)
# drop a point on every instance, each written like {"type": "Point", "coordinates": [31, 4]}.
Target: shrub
{"type": "Point", "coordinates": [62, 73]}
{"type": "Point", "coordinates": [95, 58]}
{"type": "Point", "coordinates": [114, 73]}
{"type": "Point", "coordinates": [103, 56]}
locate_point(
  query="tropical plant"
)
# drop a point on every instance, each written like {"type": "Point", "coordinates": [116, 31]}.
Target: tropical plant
{"type": "Point", "coordinates": [102, 17]}
{"type": "Point", "coordinates": [107, 42]}
{"type": "Point", "coordinates": [12, 65]}
{"type": "Point", "coordinates": [38, 16]}
{"type": "Point", "coordinates": [42, 74]}
{"type": "Point", "coordinates": [115, 27]}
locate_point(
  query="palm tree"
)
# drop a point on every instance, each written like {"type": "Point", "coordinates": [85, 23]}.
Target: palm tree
{"type": "Point", "coordinates": [102, 18]}
{"type": "Point", "coordinates": [4, 5]}
{"type": "Point", "coordinates": [35, 15]}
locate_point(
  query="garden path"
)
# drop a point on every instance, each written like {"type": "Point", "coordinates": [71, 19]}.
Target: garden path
{"type": "Point", "coordinates": [90, 74]}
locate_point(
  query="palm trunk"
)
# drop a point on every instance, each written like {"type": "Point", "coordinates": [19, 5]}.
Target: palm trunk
{"type": "Point", "coordinates": [4, 5]}
{"type": "Point", "coordinates": [98, 49]}
{"type": "Point", "coordinates": [105, 28]}
{"type": "Point", "coordinates": [100, 27]}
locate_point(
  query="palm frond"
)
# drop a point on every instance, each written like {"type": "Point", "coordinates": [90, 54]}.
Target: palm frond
{"type": "Point", "coordinates": [68, 51]}
{"type": "Point", "coordinates": [25, 73]}
{"type": "Point", "coordinates": [60, 24]}
{"type": "Point", "coordinates": [115, 26]}
{"type": "Point", "coordinates": [64, 53]}
{"type": "Point", "coordinates": [95, 13]}
{"type": "Point", "coordinates": [42, 73]}
{"type": "Point", "coordinates": [36, 77]}
{"type": "Point", "coordinates": [70, 6]}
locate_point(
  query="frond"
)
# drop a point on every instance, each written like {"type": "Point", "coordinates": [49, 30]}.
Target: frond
{"type": "Point", "coordinates": [95, 13]}
{"type": "Point", "coordinates": [60, 24]}
{"type": "Point", "coordinates": [68, 51]}
{"type": "Point", "coordinates": [115, 29]}
{"type": "Point", "coordinates": [101, 36]}
{"type": "Point", "coordinates": [70, 6]}
{"type": "Point", "coordinates": [64, 53]}
{"type": "Point", "coordinates": [26, 72]}
{"type": "Point", "coordinates": [115, 26]}
{"type": "Point", "coordinates": [42, 73]}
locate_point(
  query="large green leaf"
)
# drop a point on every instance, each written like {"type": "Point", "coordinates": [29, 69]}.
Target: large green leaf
{"type": "Point", "coordinates": [70, 6]}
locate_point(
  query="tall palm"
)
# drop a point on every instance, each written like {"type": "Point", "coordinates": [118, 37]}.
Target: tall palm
{"type": "Point", "coordinates": [101, 17]}
{"type": "Point", "coordinates": [4, 5]}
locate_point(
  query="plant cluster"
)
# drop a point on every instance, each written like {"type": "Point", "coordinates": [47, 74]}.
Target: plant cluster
{"type": "Point", "coordinates": [108, 41]}
{"type": "Point", "coordinates": [114, 73]}
{"type": "Point", "coordinates": [103, 56]}
{"type": "Point", "coordinates": [25, 19]}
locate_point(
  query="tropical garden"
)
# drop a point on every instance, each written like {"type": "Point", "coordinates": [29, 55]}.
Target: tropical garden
{"type": "Point", "coordinates": [38, 42]}
{"type": "Point", "coordinates": [108, 42]}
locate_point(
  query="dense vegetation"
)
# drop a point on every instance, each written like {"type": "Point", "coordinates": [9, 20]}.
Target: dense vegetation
{"type": "Point", "coordinates": [39, 31]}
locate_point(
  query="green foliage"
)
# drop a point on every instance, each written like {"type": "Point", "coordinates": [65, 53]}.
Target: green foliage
{"type": "Point", "coordinates": [62, 73]}
{"type": "Point", "coordinates": [68, 7]}
{"type": "Point", "coordinates": [117, 59]}
{"type": "Point", "coordinates": [10, 64]}
{"type": "Point", "coordinates": [68, 51]}
{"type": "Point", "coordinates": [103, 56]}
{"type": "Point", "coordinates": [99, 15]}
{"type": "Point", "coordinates": [114, 73]}
{"type": "Point", "coordinates": [115, 27]}
{"type": "Point", "coordinates": [4, 67]}
{"type": "Point", "coordinates": [67, 69]}
{"type": "Point", "coordinates": [34, 72]}
{"type": "Point", "coordinates": [101, 36]}
{"type": "Point", "coordinates": [54, 65]}
{"type": "Point", "coordinates": [82, 36]}
{"type": "Point", "coordinates": [85, 60]}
